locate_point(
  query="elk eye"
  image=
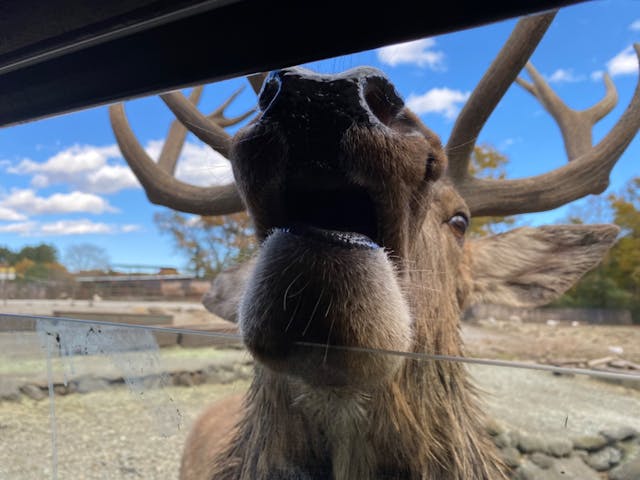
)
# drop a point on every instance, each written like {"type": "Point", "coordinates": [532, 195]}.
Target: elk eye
{"type": "Point", "coordinates": [459, 224]}
{"type": "Point", "coordinates": [430, 167]}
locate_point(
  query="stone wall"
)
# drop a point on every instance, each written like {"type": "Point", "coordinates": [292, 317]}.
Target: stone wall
{"type": "Point", "coordinates": [613, 454]}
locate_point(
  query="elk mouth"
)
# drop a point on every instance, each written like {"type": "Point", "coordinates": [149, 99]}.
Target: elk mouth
{"type": "Point", "coordinates": [323, 279]}
{"type": "Point", "coordinates": [341, 214]}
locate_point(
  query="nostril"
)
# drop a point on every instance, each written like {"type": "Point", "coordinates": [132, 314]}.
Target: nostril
{"type": "Point", "coordinates": [382, 99]}
{"type": "Point", "coordinates": [269, 91]}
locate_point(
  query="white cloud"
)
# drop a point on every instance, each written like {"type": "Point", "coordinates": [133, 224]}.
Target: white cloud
{"type": "Point", "coordinates": [418, 52]}
{"type": "Point", "coordinates": [74, 227]}
{"type": "Point", "coordinates": [596, 75]}
{"type": "Point", "coordinates": [444, 101]}
{"type": "Point", "coordinates": [198, 164]}
{"type": "Point", "coordinates": [66, 227]}
{"type": "Point", "coordinates": [203, 166]}
{"type": "Point", "coordinates": [95, 170]}
{"type": "Point", "coordinates": [562, 75]}
{"type": "Point", "coordinates": [508, 142]}
{"type": "Point", "coordinates": [25, 200]}
{"type": "Point", "coordinates": [85, 167]}
{"type": "Point", "coordinates": [10, 215]}
{"type": "Point", "coordinates": [624, 63]}
{"type": "Point", "coordinates": [130, 228]}
{"type": "Point", "coordinates": [635, 25]}
{"type": "Point", "coordinates": [23, 228]}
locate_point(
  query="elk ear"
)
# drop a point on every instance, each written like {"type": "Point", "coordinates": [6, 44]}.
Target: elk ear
{"type": "Point", "coordinates": [226, 290]}
{"type": "Point", "coordinates": [529, 267]}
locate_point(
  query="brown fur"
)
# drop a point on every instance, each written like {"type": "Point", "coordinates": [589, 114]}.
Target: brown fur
{"type": "Point", "coordinates": [326, 413]}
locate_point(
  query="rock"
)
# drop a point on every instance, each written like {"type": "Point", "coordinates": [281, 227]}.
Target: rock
{"type": "Point", "coordinates": [530, 444]}
{"type": "Point", "coordinates": [188, 379]}
{"type": "Point", "coordinates": [542, 460]}
{"type": "Point", "coordinates": [494, 427]}
{"type": "Point", "coordinates": [88, 384]}
{"type": "Point", "coordinates": [590, 443]}
{"type": "Point", "coordinates": [627, 471]}
{"type": "Point", "coordinates": [13, 396]}
{"type": "Point", "coordinates": [570, 468]}
{"type": "Point", "coordinates": [502, 440]}
{"type": "Point", "coordinates": [243, 372]}
{"type": "Point", "coordinates": [604, 459]}
{"type": "Point", "coordinates": [183, 379]}
{"type": "Point", "coordinates": [514, 435]}
{"type": "Point", "coordinates": [216, 375]}
{"type": "Point", "coordinates": [583, 454]}
{"type": "Point", "coordinates": [149, 382]}
{"type": "Point", "coordinates": [60, 389]}
{"type": "Point", "coordinates": [618, 434]}
{"type": "Point", "coordinates": [9, 391]}
{"type": "Point", "coordinates": [510, 456]}
{"type": "Point", "coordinates": [559, 447]}
{"type": "Point", "coordinates": [33, 391]}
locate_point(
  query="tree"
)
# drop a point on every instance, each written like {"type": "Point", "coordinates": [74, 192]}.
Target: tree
{"type": "Point", "coordinates": [615, 283]}
{"type": "Point", "coordinates": [488, 162]}
{"type": "Point", "coordinates": [209, 243]}
{"type": "Point", "coordinates": [43, 253]}
{"type": "Point", "coordinates": [7, 256]}
{"type": "Point", "coordinates": [84, 257]}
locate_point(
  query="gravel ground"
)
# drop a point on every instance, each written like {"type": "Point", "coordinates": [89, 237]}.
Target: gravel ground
{"type": "Point", "coordinates": [540, 403]}
{"type": "Point", "coordinates": [100, 435]}
{"type": "Point", "coordinates": [114, 434]}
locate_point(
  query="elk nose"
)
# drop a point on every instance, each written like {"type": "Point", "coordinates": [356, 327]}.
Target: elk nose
{"type": "Point", "coordinates": [300, 99]}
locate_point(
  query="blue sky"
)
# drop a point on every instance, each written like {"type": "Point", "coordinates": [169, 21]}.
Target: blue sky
{"type": "Point", "coordinates": [64, 181]}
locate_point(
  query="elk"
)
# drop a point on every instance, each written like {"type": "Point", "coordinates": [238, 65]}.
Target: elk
{"type": "Point", "coordinates": [361, 213]}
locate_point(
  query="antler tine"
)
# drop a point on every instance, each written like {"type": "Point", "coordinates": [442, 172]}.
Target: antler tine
{"type": "Point", "coordinates": [201, 126]}
{"type": "Point", "coordinates": [176, 138]}
{"type": "Point", "coordinates": [575, 126]}
{"type": "Point", "coordinates": [490, 90]}
{"type": "Point", "coordinates": [218, 114]}
{"type": "Point", "coordinates": [160, 186]}
{"type": "Point", "coordinates": [608, 102]}
{"type": "Point", "coordinates": [588, 173]}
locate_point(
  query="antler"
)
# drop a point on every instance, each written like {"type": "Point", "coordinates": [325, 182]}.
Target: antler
{"type": "Point", "coordinates": [160, 185]}
{"type": "Point", "coordinates": [492, 86]}
{"type": "Point", "coordinates": [589, 167]}
{"type": "Point", "coordinates": [575, 125]}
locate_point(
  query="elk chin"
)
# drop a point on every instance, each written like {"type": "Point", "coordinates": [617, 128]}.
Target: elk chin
{"type": "Point", "coordinates": [307, 289]}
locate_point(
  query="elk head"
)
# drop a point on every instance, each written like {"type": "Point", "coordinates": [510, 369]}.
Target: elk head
{"type": "Point", "coordinates": [362, 216]}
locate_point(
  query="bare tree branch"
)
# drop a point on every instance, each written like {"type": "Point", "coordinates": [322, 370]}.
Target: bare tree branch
{"type": "Point", "coordinates": [490, 90]}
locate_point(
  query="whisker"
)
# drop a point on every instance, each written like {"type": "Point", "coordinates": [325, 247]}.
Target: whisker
{"type": "Point", "coordinates": [284, 300]}
{"type": "Point", "coordinates": [304, 332]}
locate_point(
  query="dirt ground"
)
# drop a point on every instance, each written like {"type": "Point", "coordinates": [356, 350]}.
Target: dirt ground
{"type": "Point", "coordinates": [545, 343]}
{"type": "Point", "coordinates": [501, 339]}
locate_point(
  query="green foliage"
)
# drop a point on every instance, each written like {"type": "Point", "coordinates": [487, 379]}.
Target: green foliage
{"type": "Point", "coordinates": [43, 253]}
{"type": "Point", "coordinates": [209, 243]}
{"type": "Point", "coordinates": [34, 263]}
{"type": "Point", "coordinates": [615, 283]}
{"type": "Point", "coordinates": [487, 162]}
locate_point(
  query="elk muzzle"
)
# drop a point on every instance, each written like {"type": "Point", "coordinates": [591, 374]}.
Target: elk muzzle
{"type": "Point", "coordinates": [323, 281]}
